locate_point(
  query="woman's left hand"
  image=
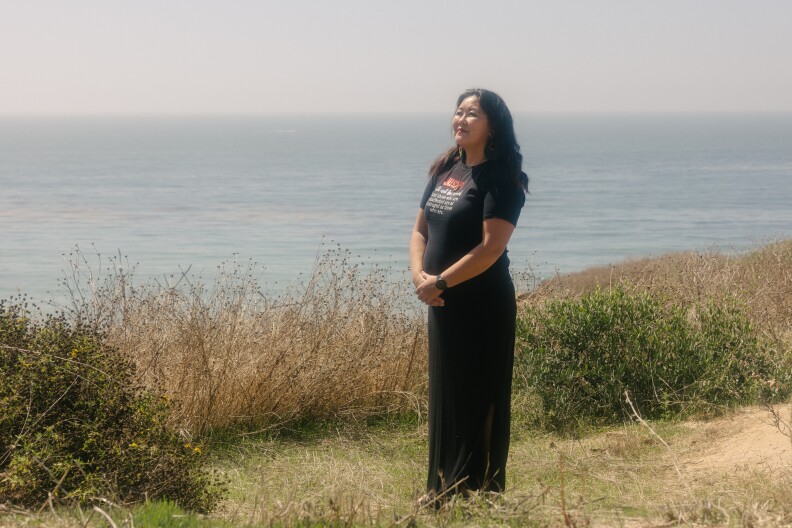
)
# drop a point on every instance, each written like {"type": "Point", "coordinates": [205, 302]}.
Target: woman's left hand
{"type": "Point", "coordinates": [427, 292]}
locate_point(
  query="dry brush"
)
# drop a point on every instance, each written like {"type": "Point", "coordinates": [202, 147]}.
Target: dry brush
{"type": "Point", "coordinates": [348, 342]}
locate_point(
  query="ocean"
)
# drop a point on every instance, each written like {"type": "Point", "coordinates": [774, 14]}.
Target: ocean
{"type": "Point", "coordinates": [170, 193]}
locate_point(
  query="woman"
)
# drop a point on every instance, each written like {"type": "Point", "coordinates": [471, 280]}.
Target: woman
{"type": "Point", "coordinates": [460, 269]}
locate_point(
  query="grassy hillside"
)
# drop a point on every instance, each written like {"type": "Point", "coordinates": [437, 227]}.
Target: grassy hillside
{"type": "Point", "coordinates": [676, 474]}
{"type": "Point", "coordinates": [311, 402]}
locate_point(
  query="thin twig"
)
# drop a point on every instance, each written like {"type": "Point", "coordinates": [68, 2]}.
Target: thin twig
{"type": "Point", "coordinates": [567, 518]}
{"type": "Point", "coordinates": [649, 427]}
{"type": "Point", "coordinates": [779, 423]}
{"type": "Point", "coordinates": [104, 514]}
{"type": "Point", "coordinates": [67, 360]}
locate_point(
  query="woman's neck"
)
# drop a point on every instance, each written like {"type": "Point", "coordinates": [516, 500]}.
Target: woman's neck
{"type": "Point", "coordinates": [474, 156]}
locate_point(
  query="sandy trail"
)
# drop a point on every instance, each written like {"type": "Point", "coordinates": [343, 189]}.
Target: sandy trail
{"type": "Point", "coordinates": [746, 440]}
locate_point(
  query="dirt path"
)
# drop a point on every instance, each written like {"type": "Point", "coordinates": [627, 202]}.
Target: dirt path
{"type": "Point", "coordinates": [745, 440]}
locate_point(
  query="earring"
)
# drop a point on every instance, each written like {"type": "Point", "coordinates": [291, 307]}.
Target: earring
{"type": "Point", "coordinates": [491, 145]}
{"type": "Point", "coordinates": [461, 152]}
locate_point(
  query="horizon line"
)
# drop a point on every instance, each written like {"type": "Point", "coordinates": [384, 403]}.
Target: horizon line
{"type": "Point", "coordinates": [383, 113]}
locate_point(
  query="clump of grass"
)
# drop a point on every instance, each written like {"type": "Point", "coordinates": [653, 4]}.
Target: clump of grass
{"type": "Point", "coordinates": [75, 427]}
{"type": "Point", "coordinates": [358, 476]}
{"type": "Point", "coordinates": [346, 343]}
{"type": "Point", "coordinates": [581, 356]}
{"type": "Point", "coordinates": [150, 514]}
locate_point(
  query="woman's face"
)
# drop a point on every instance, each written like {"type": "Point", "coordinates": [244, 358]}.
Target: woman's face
{"type": "Point", "coordinates": [470, 124]}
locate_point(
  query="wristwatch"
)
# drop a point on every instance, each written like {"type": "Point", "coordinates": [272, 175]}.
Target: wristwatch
{"type": "Point", "coordinates": [440, 284]}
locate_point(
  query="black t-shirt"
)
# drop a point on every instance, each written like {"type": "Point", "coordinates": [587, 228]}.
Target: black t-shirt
{"type": "Point", "coordinates": [456, 203]}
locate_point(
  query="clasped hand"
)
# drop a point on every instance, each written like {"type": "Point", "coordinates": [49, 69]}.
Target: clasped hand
{"type": "Point", "coordinates": [426, 290]}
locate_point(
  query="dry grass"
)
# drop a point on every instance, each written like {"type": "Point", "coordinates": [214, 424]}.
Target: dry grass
{"type": "Point", "coordinates": [364, 476]}
{"type": "Point", "coordinates": [620, 476]}
{"type": "Point", "coordinates": [347, 343]}
{"type": "Point", "coordinates": [761, 280]}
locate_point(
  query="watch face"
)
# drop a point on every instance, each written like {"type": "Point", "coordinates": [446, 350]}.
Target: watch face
{"type": "Point", "coordinates": [441, 284]}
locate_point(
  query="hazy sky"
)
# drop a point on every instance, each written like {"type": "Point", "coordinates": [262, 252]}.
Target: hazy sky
{"type": "Point", "coordinates": [340, 56]}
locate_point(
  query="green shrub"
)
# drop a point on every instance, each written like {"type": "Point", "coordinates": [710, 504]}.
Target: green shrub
{"type": "Point", "coordinates": [580, 356]}
{"type": "Point", "coordinates": [73, 425]}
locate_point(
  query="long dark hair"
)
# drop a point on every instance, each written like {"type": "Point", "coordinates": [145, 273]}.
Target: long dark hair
{"type": "Point", "coordinates": [501, 145]}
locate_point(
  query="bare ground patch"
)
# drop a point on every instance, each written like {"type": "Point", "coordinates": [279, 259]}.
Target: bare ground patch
{"type": "Point", "coordinates": [746, 440]}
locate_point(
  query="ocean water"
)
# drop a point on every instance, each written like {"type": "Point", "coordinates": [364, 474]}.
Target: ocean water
{"type": "Point", "coordinates": [176, 192]}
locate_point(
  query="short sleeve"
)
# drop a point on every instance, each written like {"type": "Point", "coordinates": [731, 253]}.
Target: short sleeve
{"type": "Point", "coordinates": [430, 187]}
{"type": "Point", "coordinates": [503, 199]}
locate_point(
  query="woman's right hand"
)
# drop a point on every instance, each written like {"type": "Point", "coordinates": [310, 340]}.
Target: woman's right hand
{"type": "Point", "coordinates": [419, 277]}
{"type": "Point", "coordinates": [422, 281]}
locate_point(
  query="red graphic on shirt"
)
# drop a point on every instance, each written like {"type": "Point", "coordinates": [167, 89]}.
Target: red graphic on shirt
{"type": "Point", "coordinates": [453, 184]}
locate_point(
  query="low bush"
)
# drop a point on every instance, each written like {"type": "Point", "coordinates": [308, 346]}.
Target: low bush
{"type": "Point", "coordinates": [581, 355]}
{"type": "Point", "coordinates": [74, 428]}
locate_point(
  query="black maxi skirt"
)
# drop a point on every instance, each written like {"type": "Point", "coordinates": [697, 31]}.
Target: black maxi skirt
{"type": "Point", "coordinates": [471, 354]}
